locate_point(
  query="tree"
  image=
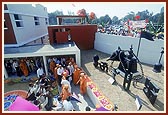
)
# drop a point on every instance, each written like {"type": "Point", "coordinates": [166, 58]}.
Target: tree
{"type": "Point", "coordinates": [104, 20]}
{"type": "Point", "coordinates": [70, 13]}
{"type": "Point", "coordinates": [130, 16]}
{"type": "Point", "coordinates": [144, 14]}
{"type": "Point", "coordinates": [95, 21]}
{"type": "Point", "coordinates": [161, 17]}
{"type": "Point", "coordinates": [115, 20]}
{"type": "Point", "coordinates": [81, 12]}
{"type": "Point", "coordinates": [162, 10]}
{"type": "Point", "coordinates": [52, 17]}
{"type": "Point", "coordinates": [89, 17]}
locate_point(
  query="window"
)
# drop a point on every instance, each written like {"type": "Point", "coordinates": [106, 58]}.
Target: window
{"type": "Point", "coordinates": [34, 41]}
{"type": "Point", "coordinates": [46, 21]}
{"type": "Point", "coordinates": [5, 27]}
{"type": "Point", "coordinates": [18, 20]}
{"type": "Point", "coordinates": [36, 20]}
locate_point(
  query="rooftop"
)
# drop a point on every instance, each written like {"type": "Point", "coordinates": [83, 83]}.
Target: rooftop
{"type": "Point", "coordinates": [40, 48]}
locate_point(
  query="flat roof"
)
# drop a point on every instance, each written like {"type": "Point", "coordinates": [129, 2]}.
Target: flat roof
{"type": "Point", "coordinates": [41, 50]}
{"type": "Point", "coordinates": [70, 16]}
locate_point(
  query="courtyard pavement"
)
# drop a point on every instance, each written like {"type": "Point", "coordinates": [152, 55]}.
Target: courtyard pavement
{"type": "Point", "coordinates": [125, 99]}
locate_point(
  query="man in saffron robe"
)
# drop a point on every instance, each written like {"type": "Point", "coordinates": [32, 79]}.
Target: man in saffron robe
{"type": "Point", "coordinates": [24, 68]}
{"type": "Point", "coordinates": [76, 74]}
{"type": "Point", "coordinates": [83, 83]}
{"type": "Point", "coordinates": [52, 66]}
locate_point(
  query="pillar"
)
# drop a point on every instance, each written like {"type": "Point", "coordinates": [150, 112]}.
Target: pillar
{"type": "Point", "coordinates": [78, 58]}
{"type": "Point", "coordinates": [5, 73]}
{"type": "Point", "coordinates": [45, 64]}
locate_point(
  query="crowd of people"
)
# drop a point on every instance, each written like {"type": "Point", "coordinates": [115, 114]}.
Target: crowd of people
{"type": "Point", "coordinates": [120, 31]}
{"type": "Point", "coordinates": [22, 66]}
{"type": "Point", "coordinates": [65, 72]}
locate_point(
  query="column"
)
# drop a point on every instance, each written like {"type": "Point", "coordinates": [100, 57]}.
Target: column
{"type": "Point", "coordinates": [78, 58]}
{"type": "Point", "coordinates": [45, 64]}
{"type": "Point", "coordinates": [58, 21]}
{"type": "Point", "coordinates": [5, 73]}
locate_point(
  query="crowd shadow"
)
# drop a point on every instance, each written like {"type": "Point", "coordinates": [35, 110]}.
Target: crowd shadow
{"type": "Point", "coordinates": [85, 100]}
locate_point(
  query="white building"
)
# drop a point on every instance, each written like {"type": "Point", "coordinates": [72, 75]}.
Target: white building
{"type": "Point", "coordinates": [26, 36]}
{"type": "Point", "coordinates": [24, 23]}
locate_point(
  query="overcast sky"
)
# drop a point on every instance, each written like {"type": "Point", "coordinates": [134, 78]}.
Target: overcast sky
{"type": "Point", "coordinates": [102, 8]}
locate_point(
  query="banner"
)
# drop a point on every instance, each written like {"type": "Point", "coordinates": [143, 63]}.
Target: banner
{"type": "Point", "coordinates": [138, 24]}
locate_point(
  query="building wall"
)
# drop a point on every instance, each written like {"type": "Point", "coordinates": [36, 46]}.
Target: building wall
{"type": "Point", "coordinates": [149, 51]}
{"type": "Point", "coordinates": [29, 31]}
{"type": "Point", "coordinates": [42, 40]}
{"type": "Point", "coordinates": [82, 35]}
{"type": "Point", "coordinates": [9, 36]}
{"type": "Point", "coordinates": [28, 9]}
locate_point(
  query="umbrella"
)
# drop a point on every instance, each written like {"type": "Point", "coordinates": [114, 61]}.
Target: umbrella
{"type": "Point", "coordinates": [74, 97]}
{"type": "Point", "coordinates": [101, 109]}
{"type": "Point", "coordinates": [7, 104]}
{"type": "Point", "coordinates": [21, 104]}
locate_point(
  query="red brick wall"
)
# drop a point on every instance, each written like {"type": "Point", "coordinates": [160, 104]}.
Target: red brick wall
{"type": "Point", "coordinates": [61, 37]}
{"type": "Point", "coordinates": [9, 37]}
{"type": "Point", "coordinates": [82, 35]}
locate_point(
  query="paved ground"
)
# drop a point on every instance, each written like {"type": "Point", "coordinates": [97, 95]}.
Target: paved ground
{"type": "Point", "coordinates": [124, 99]}
{"type": "Point", "coordinates": [116, 93]}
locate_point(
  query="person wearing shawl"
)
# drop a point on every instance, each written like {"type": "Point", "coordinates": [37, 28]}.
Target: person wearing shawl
{"type": "Point", "coordinates": [55, 72]}
{"type": "Point", "coordinates": [24, 68]}
{"type": "Point", "coordinates": [83, 83]}
{"type": "Point", "coordinates": [76, 74]}
{"type": "Point", "coordinates": [52, 66]}
{"type": "Point", "coordinates": [65, 92]}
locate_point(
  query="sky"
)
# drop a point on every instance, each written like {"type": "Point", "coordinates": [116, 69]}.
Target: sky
{"type": "Point", "coordinates": [119, 9]}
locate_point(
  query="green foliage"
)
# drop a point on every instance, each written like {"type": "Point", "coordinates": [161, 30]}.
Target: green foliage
{"type": "Point", "coordinates": [161, 18]}
{"type": "Point", "coordinates": [52, 17]}
{"type": "Point", "coordinates": [115, 20]}
{"type": "Point", "coordinates": [155, 29]}
{"type": "Point", "coordinates": [104, 20]}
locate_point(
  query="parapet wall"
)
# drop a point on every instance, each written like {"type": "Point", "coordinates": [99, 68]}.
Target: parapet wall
{"type": "Point", "coordinates": [83, 34]}
{"type": "Point", "coordinates": [149, 51]}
